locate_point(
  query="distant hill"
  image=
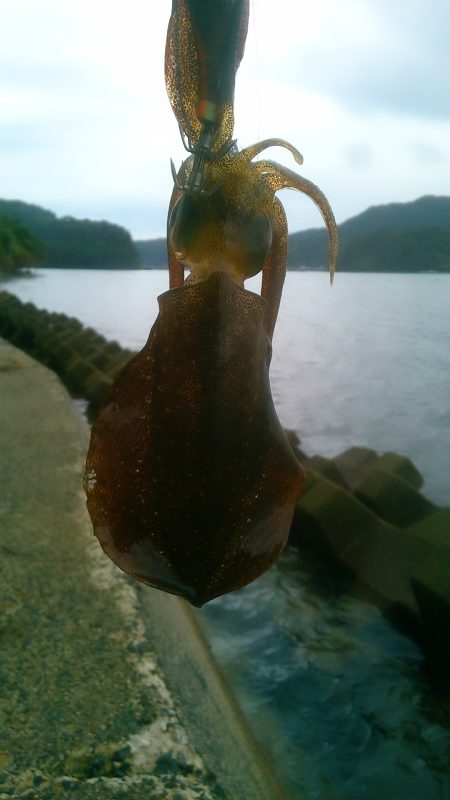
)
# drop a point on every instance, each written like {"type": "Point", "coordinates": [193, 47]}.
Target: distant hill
{"type": "Point", "coordinates": [152, 252]}
{"type": "Point", "coordinates": [69, 242]}
{"type": "Point", "coordinates": [413, 250]}
{"type": "Point", "coordinates": [397, 237]}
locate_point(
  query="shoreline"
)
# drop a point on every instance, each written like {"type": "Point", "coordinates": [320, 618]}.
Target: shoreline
{"type": "Point", "coordinates": [29, 271]}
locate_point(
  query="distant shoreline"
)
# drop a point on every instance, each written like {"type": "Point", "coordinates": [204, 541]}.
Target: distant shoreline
{"type": "Point", "coordinates": [412, 237]}
{"type": "Point", "coordinates": [29, 272]}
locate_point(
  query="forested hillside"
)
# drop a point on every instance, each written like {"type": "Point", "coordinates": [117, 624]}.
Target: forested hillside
{"type": "Point", "coordinates": [152, 252]}
{"type": "Point", "coordinates": [18, 247]}
{"type": "Point", "coordinates": [397, 237]}
{"type": "Point", "coordinates": [70, 242]}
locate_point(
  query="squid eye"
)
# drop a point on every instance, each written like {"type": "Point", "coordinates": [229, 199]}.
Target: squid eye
{"type": "Point", "coordinates": [248, 240]}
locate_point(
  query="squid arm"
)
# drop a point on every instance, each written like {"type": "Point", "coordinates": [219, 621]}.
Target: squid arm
{"type": "Point", "coordinates": [274, 270]}
{"type": "Point", "coordinates": [280, 177]}
{"type": "Point", "coordinates": [254, 149]}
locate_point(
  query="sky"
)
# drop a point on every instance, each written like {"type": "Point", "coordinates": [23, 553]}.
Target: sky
{"type": "Point", "coordinates": [360, 87]}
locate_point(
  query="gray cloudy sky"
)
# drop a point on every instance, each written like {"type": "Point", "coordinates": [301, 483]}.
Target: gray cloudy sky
{"type": "Point", "coordinates": [361, 87]}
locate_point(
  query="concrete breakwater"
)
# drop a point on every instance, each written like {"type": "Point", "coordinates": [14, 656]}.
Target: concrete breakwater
{"type": "Point", "coordinates": [85, 361]}
{"type": "Point", "coordinates": [361, 511]}
{"type": "Point", "coordinates": [365, 514]}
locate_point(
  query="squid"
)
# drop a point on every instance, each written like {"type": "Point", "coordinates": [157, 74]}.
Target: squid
{"type": "Point", "coordinates": [191, 483]}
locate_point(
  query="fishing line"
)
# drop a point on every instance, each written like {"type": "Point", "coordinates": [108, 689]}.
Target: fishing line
{"type": "Point", "coordinates": [253, 17]}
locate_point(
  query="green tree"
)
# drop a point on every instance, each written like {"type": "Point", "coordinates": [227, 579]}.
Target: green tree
{"type": "Point", "coordinates": [71, 242]}
{"type": "Point", "coordinates": [18, 246]}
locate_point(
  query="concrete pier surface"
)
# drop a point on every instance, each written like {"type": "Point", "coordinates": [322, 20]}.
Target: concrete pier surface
{"type": "Point", "coordinates": [107, 688]}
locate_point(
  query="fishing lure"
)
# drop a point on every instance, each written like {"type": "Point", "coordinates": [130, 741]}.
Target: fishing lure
{"type": "Point", "coordinates": [191, 482]}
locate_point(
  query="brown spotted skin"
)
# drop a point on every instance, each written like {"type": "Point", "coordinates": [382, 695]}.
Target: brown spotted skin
{"type": "Point", "coordinates": [191, 482]}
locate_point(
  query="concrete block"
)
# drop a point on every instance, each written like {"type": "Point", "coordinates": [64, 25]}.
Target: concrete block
{"type": "Point", "coordinates": [96, 388]}
{"type": "Point", "coordinates": [385, 560]}
{"type": "Point", "coordinates": [355, 463]}
{"type": "Point", "coordinates": [93, 336]}
{"type": "Point", "coordinates": [7, 326]}
{"type": "Point", "coordinates": [75, 324]}
{"type": "Point", "coordinates": [334, 523]}
{"type": "Point", "coordinates": [110, 360]}
{"type": "Point", "coordinates": [62, 353]}
{"type": "Point", "coordinates": [392, 498]}
{"type": "Point", "coordinates": [77, 373]}
{"type": "Point", "coordinates": [430, 583]}
{"type": "Point", "coordinates": [30, 309]}
{"type": "Point", "coordinates": [435, 528]}
{"type": "Point", "coordinates": [114, 347]}
{"type": "Point", "coordinates": [78, 340]}
{"type": "Point", "coordinates": [116, 365]}
{"type": "Point", "coordinates": [16, 328]}
{"type": "Point", "coordinates": [47, 340]}
{"type": "Point", "coordinates": [401, 466]}
{"type": "Point", "coordinates": [8, 300]}
{"type": "Point", "coordinates": [295, 442]}
{"type": "Point", "coordinates": [331, 520]}
{"type": "Point", "coordinates": [70, 344]}
{"type": "Point", "coordinates": [328, 468]}
{"type": "Point", "coordinates": [40, 331]}
{"type": "Point", "coordinates": [102, 357]}
{"type": "Point", "coordinates": [311, 478]}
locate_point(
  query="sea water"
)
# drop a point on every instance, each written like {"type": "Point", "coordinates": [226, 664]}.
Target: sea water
{"type": "Point", "coordinates": [337, 697]}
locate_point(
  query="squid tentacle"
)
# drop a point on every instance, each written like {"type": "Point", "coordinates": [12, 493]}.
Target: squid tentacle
{"type": "Point", "coordinates": [274, 270]}
{"type": "Point", "coordinates": [254, 149]}
{"type": "Point", "coordinates": [280, 177]}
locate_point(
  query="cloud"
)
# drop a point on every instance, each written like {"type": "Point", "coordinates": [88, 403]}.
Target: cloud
{"type": "Point", "coordinates": [425, 153]}
{"type": "Point", "coordinates": [371, 56]}
{"type": "Point", "coordinates": [358, 154]}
